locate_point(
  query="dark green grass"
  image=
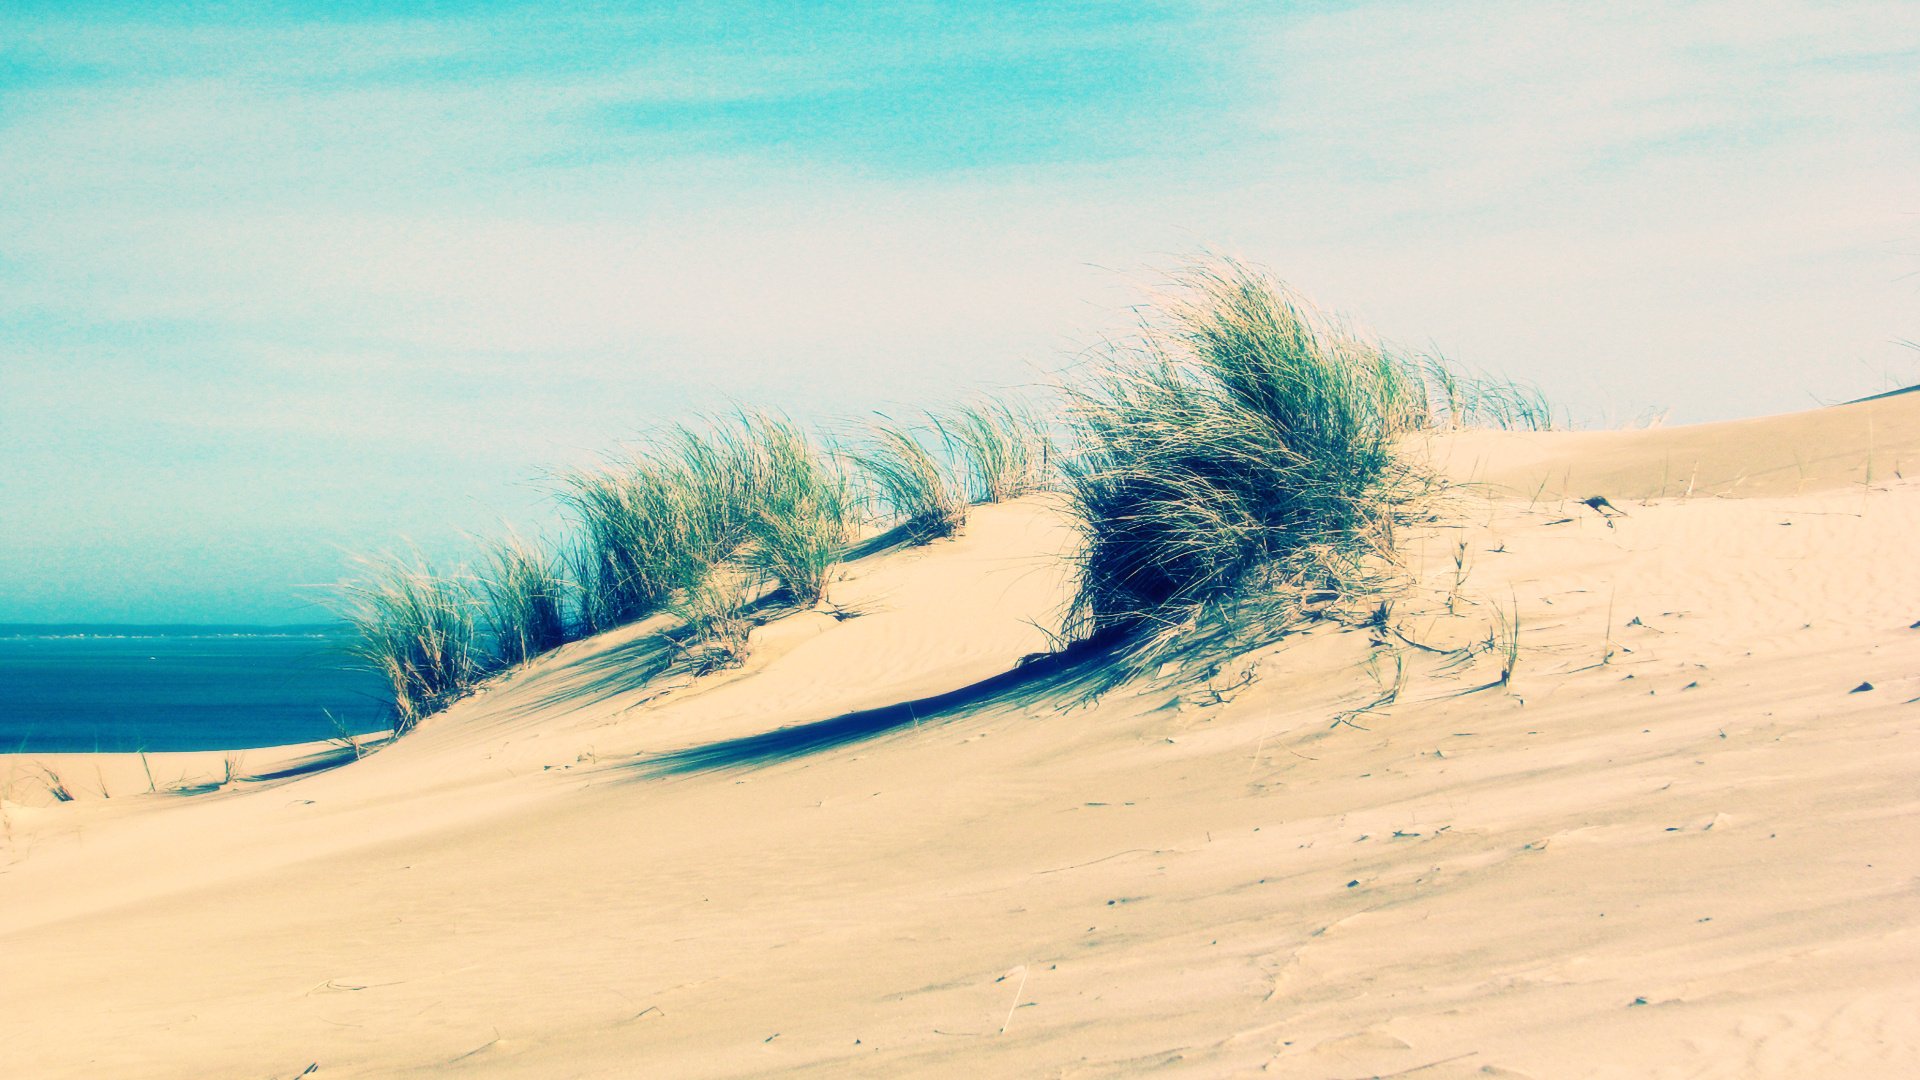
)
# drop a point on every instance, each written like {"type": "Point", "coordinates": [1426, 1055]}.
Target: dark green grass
{"type": "Point", "coordinates": [1243, 446]}
{"type": "Point", "coordinates": [416, 629]}
{"type": "Point", "coordinates": [526, 598]}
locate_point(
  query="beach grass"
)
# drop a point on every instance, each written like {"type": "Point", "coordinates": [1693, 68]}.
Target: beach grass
{"type": "Point", "coordinates": [917, 488]}
{"type": "Point", "coordinates": [801, 510]}
{"type": "Point", "coordinates": [1457, 399]}
{"type": "Point", "coordinates": [527, 599]}
{"type": "Point", "coordinates": [1243, 445]}
{"type": "Point", "coordinates": [1006, 449]}
{"type": "Point", "coordinates": [714, 623]}
{"type": "Point", "coordinates": [416, 628]}
{"type": "Point", "coordinates": [644, 533]}
{"type": "Point", "coordinates": [752, 488]}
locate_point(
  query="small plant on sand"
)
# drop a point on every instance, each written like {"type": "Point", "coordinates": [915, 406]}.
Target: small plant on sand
{"type": "Point", "coordinates": [56, 787]}
{"type": "Point", "coordinates": [1007, 450]}
{"type": "Point", "coordinates": [416, 629]}
{"type": "Point", "coordinates": [526, 599]}
{"type": "Point", "coordinates": [1244, 447]}
{"type": "Point", "coordinates": [714, 623]}
{"type": "Point", "coordinates": [343, 736]}
{"type": "Point", "coordinates": [917, 488]}
{"type": "Point", "coordinates": [1503, 640]}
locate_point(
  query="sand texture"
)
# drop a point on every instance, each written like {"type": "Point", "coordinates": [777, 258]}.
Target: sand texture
{"type": "Point", "coordinates": [1677, 842]}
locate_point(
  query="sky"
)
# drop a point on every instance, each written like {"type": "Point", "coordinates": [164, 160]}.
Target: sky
{"type": "Point", "coordinates": [281, 282]}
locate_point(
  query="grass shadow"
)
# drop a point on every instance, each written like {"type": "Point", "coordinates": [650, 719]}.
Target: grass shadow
{"type": "Point", "coordinates": [1042, 674]}
{"type": "Point", "coordinates": [331, 758]}
{"type": "Point", "coordinates": [897, 536]}
{"type": "Point", "coordinates": [618, 669]}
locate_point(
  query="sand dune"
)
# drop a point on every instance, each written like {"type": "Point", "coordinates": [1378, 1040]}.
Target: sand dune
{"type": "Point", "coordinates": [1673, 844]}
{"type": "Point", "coordinates": [1857, 444]}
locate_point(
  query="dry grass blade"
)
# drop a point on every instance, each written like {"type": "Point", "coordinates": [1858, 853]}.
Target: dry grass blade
{"type": "Point", "coordinates": [56, 787]}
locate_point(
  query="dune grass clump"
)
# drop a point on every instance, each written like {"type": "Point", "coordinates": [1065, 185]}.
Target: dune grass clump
{"type": "Point", "coordinates": [917, 488]}
{"type": "Point", "coordinates": [1244, 446]}
{"type": "Point", "coordinates": [416, 629]}
{"type": "Point", "coordinates": [751, 499]}
{"type": "Point", "coordinates": [645, 532]}
{"type": "Point", "coordinates": [526, 599]}
{"type": "Point", "coordinates": [801, 513]}
{"type": "Point", "coordinates": [1005, 447]}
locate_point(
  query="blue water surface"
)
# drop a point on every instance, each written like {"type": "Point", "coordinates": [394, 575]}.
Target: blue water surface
{"type": "Point", "coordinates": [179, 689]}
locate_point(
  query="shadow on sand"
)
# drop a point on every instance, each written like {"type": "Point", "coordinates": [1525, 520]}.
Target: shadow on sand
{"type": "Point", "coordinates": [1042, 674]}
{"type": "Point", "coordinates": [618, 670]}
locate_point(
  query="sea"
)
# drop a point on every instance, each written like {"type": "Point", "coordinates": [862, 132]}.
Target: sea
{"type": "Point", "coordinates": [116, 688]}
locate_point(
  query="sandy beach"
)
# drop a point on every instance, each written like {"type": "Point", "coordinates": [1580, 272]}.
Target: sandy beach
{"type": "Point", "coordinates": [1674, 842]}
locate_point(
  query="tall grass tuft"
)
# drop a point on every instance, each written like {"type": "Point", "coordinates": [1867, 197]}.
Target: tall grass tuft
{"type": "Point", "coordinates": [526, 599]}
{"type": "Point", "coordinates": [645, 532]}
{"type": "Point", "coordinates": [416, 629]}
{"type": "Point", "coordinates": [917, 488]}
{"type": "Point", "coordinates": [1006, 449]}
{"type": "Point", "coordinates": [800, 516]}
{"type": "Point", "coordinates": [1244, 445]}
{"type": "Point", "coordinates": [752, 490]}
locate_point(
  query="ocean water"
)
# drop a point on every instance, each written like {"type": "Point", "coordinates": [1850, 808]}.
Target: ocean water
{"type": "Point", "coordinates": [105, 688]}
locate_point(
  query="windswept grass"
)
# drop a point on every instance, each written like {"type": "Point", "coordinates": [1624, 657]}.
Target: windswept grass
{"type": "Point", "coordinates": [1457, 400]}
{"type": "Point", "coordinates": [1006, 448]}
{"type": "Point", "coordinates": [645, 533]}
{"type": "Point", "coordinates": [526, 599]}
{"type": "Point", "coordinates": [1236, 467]}
{"type": "Point", "coordinates": [416, 629]}
{"type": "Point", "coordinates": [1246, 445]}
{"type": "Point", "coordinates": [753, 489]}
{"type": "Point", "coordinates": [800, 515]}
{"type": "Point", "coordinates": [917, 488]}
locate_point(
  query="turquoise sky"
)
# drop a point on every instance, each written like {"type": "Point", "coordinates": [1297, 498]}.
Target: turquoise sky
{"type": "Point", "coordinates": [280, 282]}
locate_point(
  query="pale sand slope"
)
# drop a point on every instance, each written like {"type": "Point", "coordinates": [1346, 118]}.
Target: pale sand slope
{"type": "Point", "coordinates": [1675, 845]}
